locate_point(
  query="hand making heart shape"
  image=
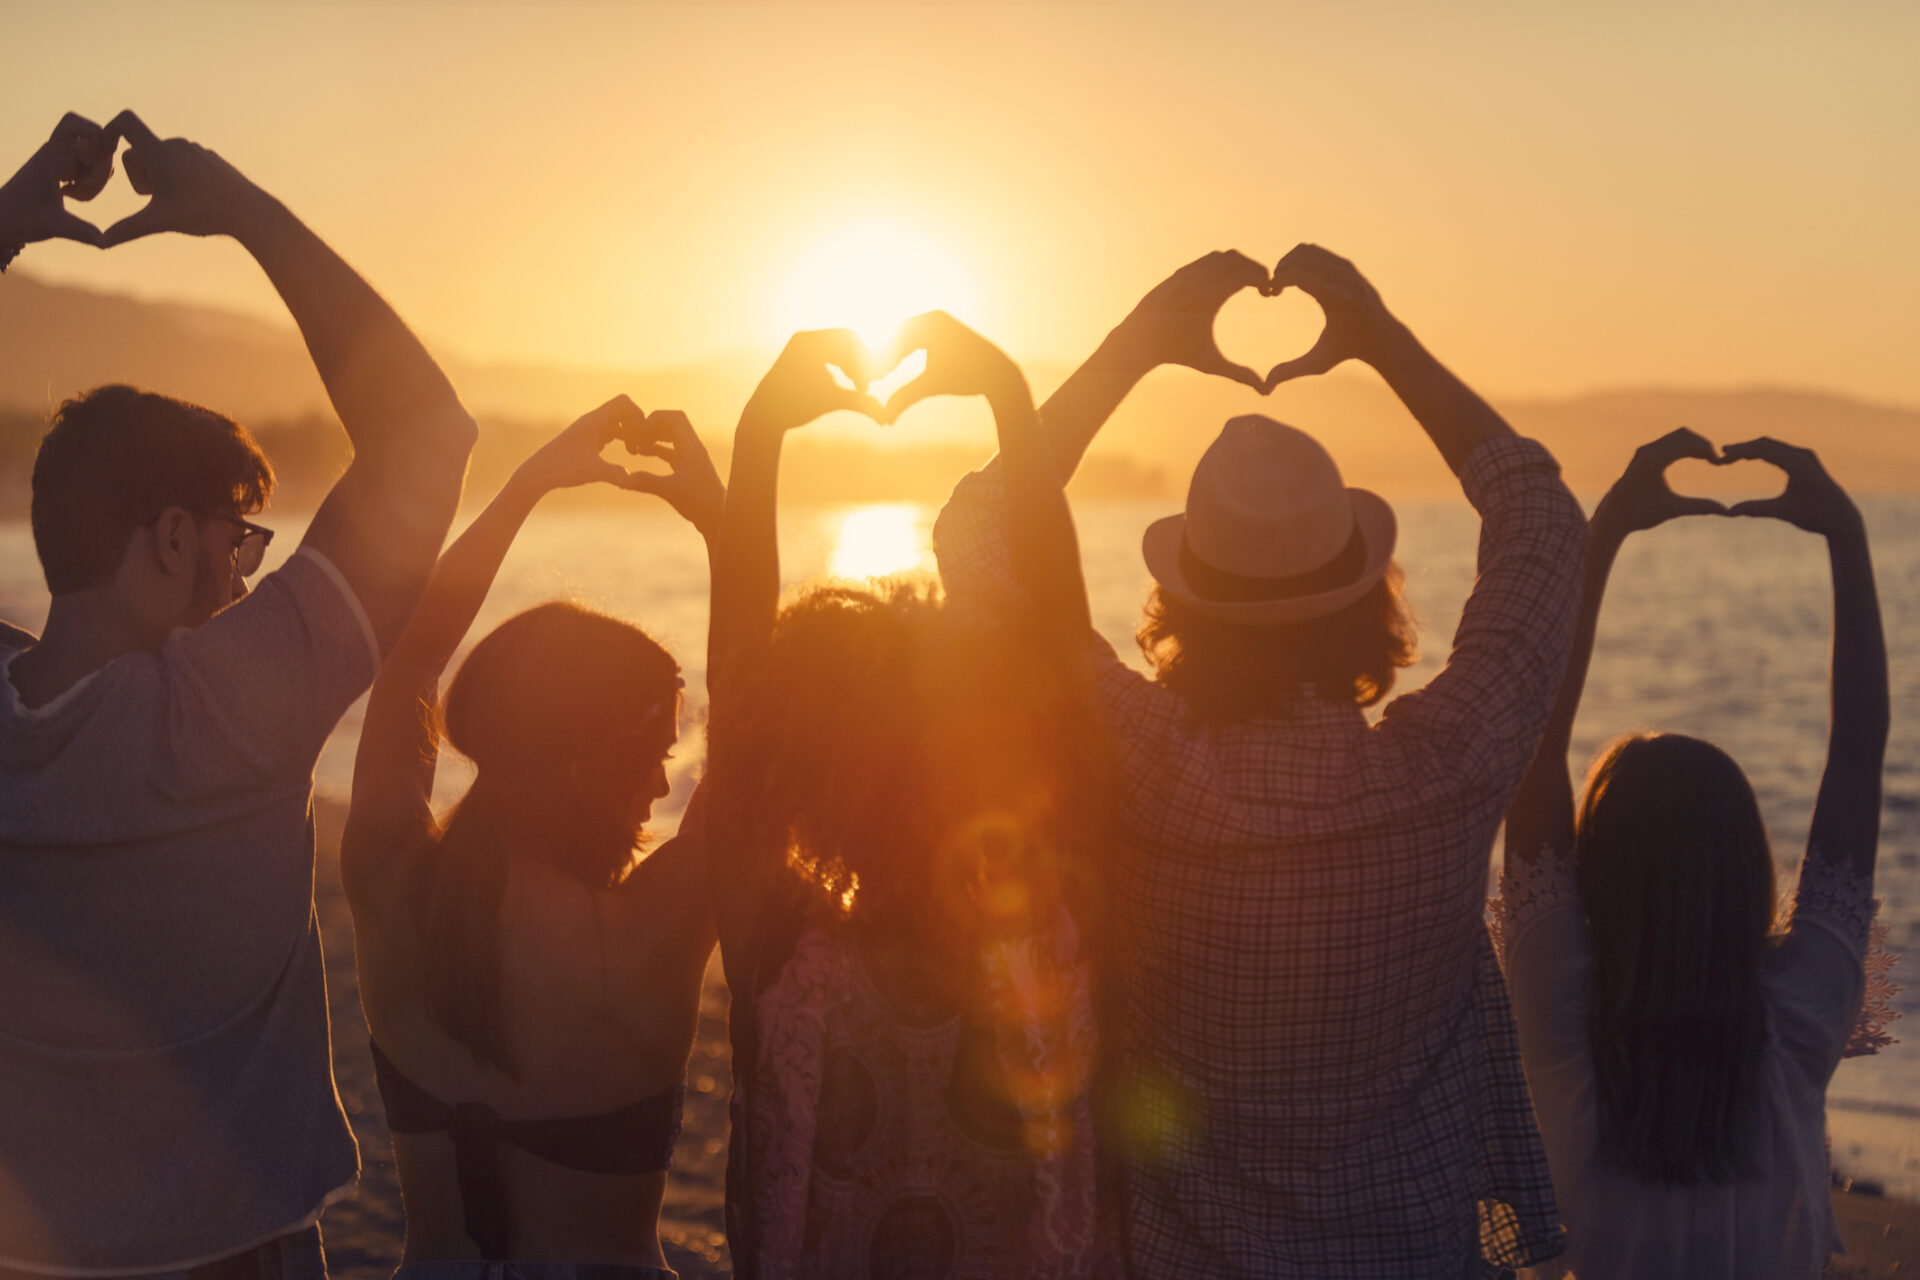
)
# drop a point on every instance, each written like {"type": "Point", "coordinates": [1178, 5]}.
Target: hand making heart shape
{"type": "Point", "coordinates": [73, 164]}
{"type": "Point", "coordinates": [1174, 323]}
{"type": "Point", "coordinates": [801, 386]}
{"type": "Point", "coordinates": [193, 190]}
{"type": "Point", "coordinates": [1642, 497]}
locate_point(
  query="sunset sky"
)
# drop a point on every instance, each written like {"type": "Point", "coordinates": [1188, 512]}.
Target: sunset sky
{"type": "Point", "coordinates": [1559, 201]}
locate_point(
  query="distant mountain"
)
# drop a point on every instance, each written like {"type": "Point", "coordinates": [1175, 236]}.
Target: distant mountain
{"type": "Point", "coordinates": [56, 340]}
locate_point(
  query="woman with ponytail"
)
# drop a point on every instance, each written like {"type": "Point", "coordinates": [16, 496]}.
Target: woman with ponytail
{"type": "Point", "coordinates": [1677, 1046]}
{"type": "Point", "coordinates": [530, 982]}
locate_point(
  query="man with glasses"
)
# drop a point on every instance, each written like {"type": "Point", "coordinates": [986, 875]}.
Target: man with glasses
{"type": "Point", "coordinates": [166, 1093]}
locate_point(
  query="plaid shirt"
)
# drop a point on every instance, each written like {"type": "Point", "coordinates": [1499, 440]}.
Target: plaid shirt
{"type": "Point", "coordinates": [1322, 1075]}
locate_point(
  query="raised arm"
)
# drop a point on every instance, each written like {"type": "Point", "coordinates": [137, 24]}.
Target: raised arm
{"type": "Point", "coordinates": [384, 521]}
{"type": "Point", "coordinates": [394, 768]}
{"type": "Point", "coordinates": [1542, 812]}
{"type": "Point", "coordinates": [1172, 324]}
{"type": "Point", "coordinates": [1042, 545]}
{"type": "Point", "coordinates": [1359, 327]}
{"type": "Point", "coordinates": [1846, 817]}
{"type": "Point", "coordinates": [746, 571]}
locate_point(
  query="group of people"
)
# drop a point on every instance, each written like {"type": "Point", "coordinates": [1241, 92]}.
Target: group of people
{"type": "Point", "coordinates": [1039, 966]}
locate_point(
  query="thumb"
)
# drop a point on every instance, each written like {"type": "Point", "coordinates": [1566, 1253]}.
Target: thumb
{"type": "Point", "coordinates": [1755, 507]}
{"type": "Point", "coordinates": [1699, 507]}
{"type": "Point", "coordinates": [69, 226]}
{"type": "Point", "coordinates": [905, 398]}
{"type": "Point", "coordinates": [144, 222]}
{"type": "Point", "coordinates": [1220, 366]}
{"type": "Point", "coordinates": [1307, 366]}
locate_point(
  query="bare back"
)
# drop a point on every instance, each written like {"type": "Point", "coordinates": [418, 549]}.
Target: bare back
{"type": "Point", "coordinates": [600, 993]}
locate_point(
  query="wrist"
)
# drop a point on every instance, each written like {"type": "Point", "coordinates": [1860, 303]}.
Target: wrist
{"type": "Point", "coordinates": [1124, 352]}
{"type": "Point", "coordinates": [525, 486]}
{"type": "Point", "coordinates": [1847, 530]}
{"type": "Point", "coordinates": [258, 221]}
{"type": "Point", "coordinates": [1391, 346]}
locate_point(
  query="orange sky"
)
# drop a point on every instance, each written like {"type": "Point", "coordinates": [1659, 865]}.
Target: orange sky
{"type": "Point", "coordinates": [1688, 195]}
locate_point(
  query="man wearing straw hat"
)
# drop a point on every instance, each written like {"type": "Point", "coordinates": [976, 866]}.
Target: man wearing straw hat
{"type": "Point", "coordinates": [1317, 1069]}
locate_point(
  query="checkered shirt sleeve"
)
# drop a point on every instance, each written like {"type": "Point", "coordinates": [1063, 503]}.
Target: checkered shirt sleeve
{"type": "Point", "coordinates": [1322, 1072]}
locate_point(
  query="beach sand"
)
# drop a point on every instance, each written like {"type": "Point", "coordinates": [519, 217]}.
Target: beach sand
{"type": "Point", "coordinates": [364, 1232]}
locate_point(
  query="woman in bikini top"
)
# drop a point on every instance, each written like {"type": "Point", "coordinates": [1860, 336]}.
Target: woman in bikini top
{"type": "Point", "coordinates": [531, 984]}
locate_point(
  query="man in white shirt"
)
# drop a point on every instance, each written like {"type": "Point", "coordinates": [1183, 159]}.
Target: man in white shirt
{"type": "Point", "coordinates": [166, 1091]}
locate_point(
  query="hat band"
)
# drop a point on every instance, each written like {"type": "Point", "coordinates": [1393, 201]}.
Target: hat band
{"type": "Point", "coordinates": [1223, 587]}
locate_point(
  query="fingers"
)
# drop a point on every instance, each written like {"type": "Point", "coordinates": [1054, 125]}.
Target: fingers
{"type": "Point", "coordinates": [88, 160]}
{"type": "Point", "coordinates": [1766, 449]}
{"type": "Point", "coordinates": [1682, 442]}
{"type": "Point", "coordinates": [1302, 264]}
{"type": "Point", "coordinates": [1207, 282]}
{"type": "Point", "coordinates": [67, 226]}
{"type": "Point", "coordinates": [1225, 368]}
{"type": "Point", "coordinates": [144, 222]}
{"type": "Point", "coordinates": [140, 172]}
{"type": "Point", "coordinates": [609, 421]}
{"type": "Point", "coordinates": [1774, 508]}
{"type": "Point", "coordinates": [906, 397]}
{"type": "Point", "coordinates": [1683, 506]}
{"type": "Point", "coordinates": [923, 332]}
{"type": "Point", "coordinates": [841, 347]}
{"type": "Point", "coordinates": [1315, 362]}
{"type": "Point", "coordinates": [129, 126]}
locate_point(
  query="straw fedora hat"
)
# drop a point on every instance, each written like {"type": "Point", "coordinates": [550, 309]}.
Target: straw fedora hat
{"type": "Point", "coordinates": [1270, 534]}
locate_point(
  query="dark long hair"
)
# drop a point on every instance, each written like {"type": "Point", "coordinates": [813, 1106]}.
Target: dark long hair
{"type": "Point", "coordinates": [564, 712]}
{"type": "Point", "coordinates": [933, 775]}
{"type": "Point", "coordinates": [1677, 883]}
{"type": "Point", "coordinates": [1230, 672]}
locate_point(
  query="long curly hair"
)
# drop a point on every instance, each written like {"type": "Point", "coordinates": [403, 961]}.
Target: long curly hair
{"type": "Point", "coordinates": [564, 713]}
{"type": "Point", "coordinates": [1229, 672]}
{"type": "Point", "coordinates": [937, 777]}
{"type": "Point", "coordinates": [1677, 883]}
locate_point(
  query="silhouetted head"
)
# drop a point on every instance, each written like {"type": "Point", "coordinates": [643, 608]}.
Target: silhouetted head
{"type": "Point", "coordinates": [568, 716]}
{"type": "Point", "coordinates": [139, 493]}
{"type": "Point", "coordinates": [1230, 672]}
{"type": "Point", "coordinates": [1276, 575]}
{"type": "Point", "coordinates": [1677, 883]}
{"type": "Point", "coordinates": [937, 774]}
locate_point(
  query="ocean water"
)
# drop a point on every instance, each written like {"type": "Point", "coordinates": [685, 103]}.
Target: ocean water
{"type": "Point", "coordinates": [1712, 627]}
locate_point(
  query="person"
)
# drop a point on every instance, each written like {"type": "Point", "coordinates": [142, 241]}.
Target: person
{"type": "Point", "coordinates": [1678, 1049]}
{"type": "Point", "coordinates": [531, 992]}
{"type": "Point", "coordinates": [1319, 1074]}
{"type": "Point", "coordinates": [166, 1090]}
{"type": "Point", "coordinates": [902, 795]}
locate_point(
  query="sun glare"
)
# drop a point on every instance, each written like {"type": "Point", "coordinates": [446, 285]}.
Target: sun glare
{"type": "Point", "coordinates": [879, 539]}
{"type": "Point", "coordinates": [871, 275]}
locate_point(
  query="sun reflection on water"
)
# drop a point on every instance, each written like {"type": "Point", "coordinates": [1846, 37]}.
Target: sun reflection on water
{"type": "Point", "coordinates": [885, 537]}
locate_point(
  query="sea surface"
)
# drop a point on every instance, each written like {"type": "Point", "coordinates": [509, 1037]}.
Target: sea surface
{"type": "Point", "coordinates": [1717, 628]}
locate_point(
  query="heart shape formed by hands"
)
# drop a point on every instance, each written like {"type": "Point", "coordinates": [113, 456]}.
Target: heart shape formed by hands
{"type": "Point", "coordinates": [74, 163]}
{"type": "Point", "coordinates": [1253, 320]}
{"type": "Point", "coordinates": [1730, 480]}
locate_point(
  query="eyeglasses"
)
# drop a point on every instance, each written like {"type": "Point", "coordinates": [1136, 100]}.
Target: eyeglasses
{"type": "Point", "coordinates": [252, 547]}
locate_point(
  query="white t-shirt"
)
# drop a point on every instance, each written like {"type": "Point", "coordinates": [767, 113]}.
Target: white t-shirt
{"type": "Point", "coordinates": [166, 1085]}
{"type": "Point", "coordinates": [1813, 982]}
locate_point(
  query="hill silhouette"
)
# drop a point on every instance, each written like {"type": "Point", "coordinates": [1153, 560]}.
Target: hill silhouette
{"type": "Point", "coordinates": [60, 340]}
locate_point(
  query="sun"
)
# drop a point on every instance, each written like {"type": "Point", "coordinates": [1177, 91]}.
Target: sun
{"type": "Point", "coordinates": [881, 538]}
{"type": "Point", "coordinates": [870, 275]}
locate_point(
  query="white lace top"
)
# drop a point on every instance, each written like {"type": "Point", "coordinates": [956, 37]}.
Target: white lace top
{"type": "Point", "coordinates": [1820, 1009]}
